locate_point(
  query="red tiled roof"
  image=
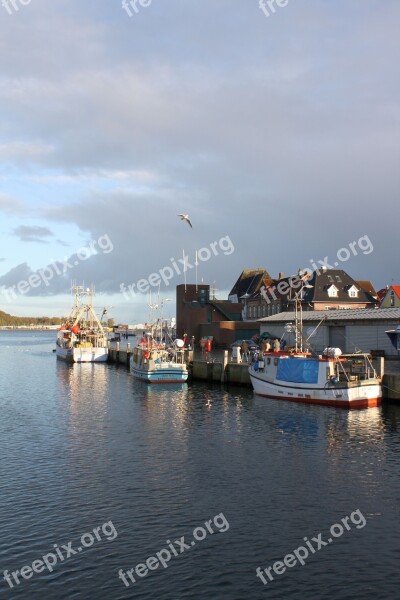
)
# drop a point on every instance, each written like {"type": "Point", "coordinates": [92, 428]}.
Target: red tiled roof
{"type": "Point", "coordinates": [396, 289]}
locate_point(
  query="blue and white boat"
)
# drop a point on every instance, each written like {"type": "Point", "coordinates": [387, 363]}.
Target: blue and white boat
{"type": "Point", "coordinates": [153, 362]}
{"type": "Point", "coordinates": [333, 378]}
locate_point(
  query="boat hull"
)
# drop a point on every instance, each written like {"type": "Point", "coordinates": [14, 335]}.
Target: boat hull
{"type": "Point", "coordinates": [161, 376]}
{"type": "Point", "coordinates": [351, 396]}
{"type": "Point", "coordinates": [159, 372]}
{"type": "Point", "coordinates": [82, 355]}
{"type": "Point", "coordinates": [166, 375]}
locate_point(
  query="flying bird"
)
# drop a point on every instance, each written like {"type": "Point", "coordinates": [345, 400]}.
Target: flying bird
{"type": "Point", "coordinates": [185, 218]}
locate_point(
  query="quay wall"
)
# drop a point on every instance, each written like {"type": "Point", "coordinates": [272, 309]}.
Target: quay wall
{"type": "Point", "coordinates": [218, 368]}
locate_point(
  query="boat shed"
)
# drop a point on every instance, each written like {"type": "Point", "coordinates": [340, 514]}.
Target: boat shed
{"type": "Point", "coordinates": [351, 330]}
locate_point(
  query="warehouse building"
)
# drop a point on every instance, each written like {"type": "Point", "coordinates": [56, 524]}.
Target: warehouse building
{"type": "Point", "coordinates": [350, 330]}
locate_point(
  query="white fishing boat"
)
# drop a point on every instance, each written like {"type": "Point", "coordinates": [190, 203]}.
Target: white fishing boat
{"type": "Point", "coordinates": [82, 338]}
{"type": "Point", "coordinates": [153, 362]}
{"type": "Point", "coordinates": [333, 378]}
{"type": "Point", "coordinates": [330, 378]}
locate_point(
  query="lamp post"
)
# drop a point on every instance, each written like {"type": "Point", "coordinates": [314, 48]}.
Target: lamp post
{"type": "Point", "coordinates": [245, 296]}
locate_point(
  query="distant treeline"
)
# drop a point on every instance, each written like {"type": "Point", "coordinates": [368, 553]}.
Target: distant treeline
{"type": "Point", "coordinates": [6, 319]}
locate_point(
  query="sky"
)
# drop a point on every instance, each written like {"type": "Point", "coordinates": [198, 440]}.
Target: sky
{"type": "Point", "coordinates": [274, 126]}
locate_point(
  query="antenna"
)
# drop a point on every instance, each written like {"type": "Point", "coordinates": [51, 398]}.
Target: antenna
{"type": "Point", "coordinates": [196, 263]}
{"type": "Point", "coordinates": [184, 268]}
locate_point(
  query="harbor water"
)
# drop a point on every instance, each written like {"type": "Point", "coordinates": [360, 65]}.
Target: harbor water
{"type": "Point", "coordinates": [100, 472]}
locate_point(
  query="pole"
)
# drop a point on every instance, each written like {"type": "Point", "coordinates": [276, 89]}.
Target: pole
{"type": "Point", "coordinates": [196, 269]}
{"type": "Point", "coordinates": [184, 268]}
{"type": "Point", "coordinates": [296, 323]}
{"type": "Point", "coordinates": [301, 326]}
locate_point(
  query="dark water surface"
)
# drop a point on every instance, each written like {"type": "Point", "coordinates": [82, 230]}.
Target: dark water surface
{"type": "Point", "coordinates": [87, 446]}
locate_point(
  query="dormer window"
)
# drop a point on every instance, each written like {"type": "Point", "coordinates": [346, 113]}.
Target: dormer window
{"type": "Point", "coordinates": [353, 292]}
{"type": "Point", "coordinates": [332, 291]}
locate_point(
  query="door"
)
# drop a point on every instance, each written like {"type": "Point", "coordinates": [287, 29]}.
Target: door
{"type": "Point", "coordinates": [337, 337]}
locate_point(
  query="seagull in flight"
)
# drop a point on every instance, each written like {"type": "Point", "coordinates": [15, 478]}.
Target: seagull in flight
{"type": "Point", "coordinates": [185, 218]}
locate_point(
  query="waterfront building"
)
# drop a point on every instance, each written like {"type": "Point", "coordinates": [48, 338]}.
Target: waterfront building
{"type": "Point", "coordinates": [357, 330]}
{"type": "Point", "coordinates": [391, 297]}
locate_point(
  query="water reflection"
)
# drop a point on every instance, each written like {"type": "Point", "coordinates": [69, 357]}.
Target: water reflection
{"type": "Point", "coordinates": [391, 416]}
{"type": "Point", "coordinates": [86, 387]}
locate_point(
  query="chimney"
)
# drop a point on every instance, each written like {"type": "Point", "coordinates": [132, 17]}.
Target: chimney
{"type": "Point", "coordinates": [280, 275]}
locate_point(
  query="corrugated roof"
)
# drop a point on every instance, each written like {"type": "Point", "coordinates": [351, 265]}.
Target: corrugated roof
{"type": "Point", "coordinates": [352, 314]}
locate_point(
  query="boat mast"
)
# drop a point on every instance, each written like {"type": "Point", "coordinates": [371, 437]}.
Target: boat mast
{"type": "Point", "coordinates": [299, 295]}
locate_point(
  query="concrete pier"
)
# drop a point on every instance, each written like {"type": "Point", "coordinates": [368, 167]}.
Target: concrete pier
{"type": "Point", "coordinates": [218, 368]}
{"type": "Point", "coordinates": [118, 356]}
{"type": "Point", "coordinates": [391, 387]}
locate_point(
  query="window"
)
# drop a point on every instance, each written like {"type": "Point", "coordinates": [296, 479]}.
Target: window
{"type": "Point", "coordinates": [392, 298]}
{"type": "Point", "coordinates": [353, 292]}
{"type": "Point", "coordinates": [338, 279]}
{"type": "Point", "coordinates": [332, 291]}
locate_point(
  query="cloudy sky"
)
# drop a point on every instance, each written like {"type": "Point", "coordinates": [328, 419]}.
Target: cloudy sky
{"type": "Point", "coordinates": [277, 132]}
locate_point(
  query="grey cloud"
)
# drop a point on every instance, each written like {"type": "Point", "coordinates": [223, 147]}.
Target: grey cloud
{"type": "Point", "coordinates": [10, 205]}
{"type": "Point", "coordinates": [279, 132]}
{"type": "Point", "coordinates": [35, 233]}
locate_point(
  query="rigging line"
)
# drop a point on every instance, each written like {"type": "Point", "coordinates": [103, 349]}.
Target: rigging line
{"type": "Point", "coordinates": [389, 389]}
{"type": "Point", "coordinates": [346, 338]}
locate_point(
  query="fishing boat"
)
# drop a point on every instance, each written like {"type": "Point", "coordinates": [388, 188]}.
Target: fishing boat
{"type": "Point", "coordinates": [333, 378]}
{"type": "Point", "coordinates": [82, 338]}
{"type": "Point", "coordinates": [330, 378]}
{"type": "Point", "coordinates": [152, 361]}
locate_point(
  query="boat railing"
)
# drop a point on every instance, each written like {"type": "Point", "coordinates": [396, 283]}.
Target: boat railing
{"type": "Point", "coordinates": [355, 367]}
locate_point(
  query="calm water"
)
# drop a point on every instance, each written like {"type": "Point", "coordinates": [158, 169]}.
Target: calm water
{"type": "Point", "coordinates": [88, 446]}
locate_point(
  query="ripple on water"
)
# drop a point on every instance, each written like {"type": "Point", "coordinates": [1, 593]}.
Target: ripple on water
{"type": "Point", "coordinates": [88, 444]}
